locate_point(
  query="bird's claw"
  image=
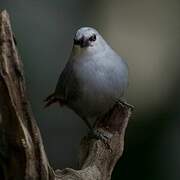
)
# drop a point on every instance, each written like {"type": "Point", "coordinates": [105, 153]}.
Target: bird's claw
{"type": "Point", "coordinates": [102, 135]}
{"type": "Point", "coordinates": [124, 103]}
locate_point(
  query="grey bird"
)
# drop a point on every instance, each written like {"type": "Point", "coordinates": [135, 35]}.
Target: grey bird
{"type": "Point", "coordinates": [94, 78]}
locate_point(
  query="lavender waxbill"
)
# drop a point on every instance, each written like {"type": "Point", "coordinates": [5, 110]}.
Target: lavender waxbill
{"type": "Point", "coordinates": [93, 79]}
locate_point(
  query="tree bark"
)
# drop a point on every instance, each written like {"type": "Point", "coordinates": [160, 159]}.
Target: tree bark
{"type": "Point", "coordinates": [22, 154]}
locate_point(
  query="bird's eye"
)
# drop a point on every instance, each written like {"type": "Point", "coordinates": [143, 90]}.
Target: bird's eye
{"type": "Point", "coordinates": [92, 38]}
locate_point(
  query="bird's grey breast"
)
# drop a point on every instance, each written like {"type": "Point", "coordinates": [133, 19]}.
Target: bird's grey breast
{"type": "Point", "coordinates": [103, 78]}
{"type": "Point", "coordinates": [102, 73]}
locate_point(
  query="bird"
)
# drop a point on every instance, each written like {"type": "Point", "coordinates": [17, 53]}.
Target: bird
{"type": "Point", "coordinates": [93, 79]}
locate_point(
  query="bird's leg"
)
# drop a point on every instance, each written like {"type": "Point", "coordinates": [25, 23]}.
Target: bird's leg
{"type": "Point", "coordinates": [94, 133]}
{"type": "Point", "coordinates": [88, 124]}
{"type": "Point", "coordinates": [96, 120]}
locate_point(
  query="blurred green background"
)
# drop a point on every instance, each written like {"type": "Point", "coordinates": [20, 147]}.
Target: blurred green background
{"type": "Point", "coordinates": [145, 33]}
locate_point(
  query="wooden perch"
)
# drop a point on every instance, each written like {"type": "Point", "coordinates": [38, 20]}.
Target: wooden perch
{"type": "Point", "coordinates": [22, 154]}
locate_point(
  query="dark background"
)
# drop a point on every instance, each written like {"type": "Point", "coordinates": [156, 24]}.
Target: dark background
{"type": "Point", "coordinates": [147, 35]}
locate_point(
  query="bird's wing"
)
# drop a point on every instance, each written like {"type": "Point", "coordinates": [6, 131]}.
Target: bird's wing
{"type": "Point", "coordinates": [59, 95]}
{"type": "Point", "coordinates": [67, 86]}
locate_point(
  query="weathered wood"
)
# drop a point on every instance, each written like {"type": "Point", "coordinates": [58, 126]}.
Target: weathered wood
{"type": "Point", "coordinates": [22, 154]}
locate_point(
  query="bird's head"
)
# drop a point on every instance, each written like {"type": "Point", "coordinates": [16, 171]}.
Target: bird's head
{"type": "Point", "coordinates": [88, 38]}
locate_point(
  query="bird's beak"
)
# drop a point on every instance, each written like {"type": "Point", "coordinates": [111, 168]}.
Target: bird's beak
{"type": "Point", "coordinates": [83, 42]}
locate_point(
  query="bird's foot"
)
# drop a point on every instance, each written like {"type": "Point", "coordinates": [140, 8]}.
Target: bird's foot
{"type": "Point", "coordinates": [102, 135]}
{"type": "Point", "coordinates": [124, 103]}
{"type": "Point", "coordinates": [97, 134]}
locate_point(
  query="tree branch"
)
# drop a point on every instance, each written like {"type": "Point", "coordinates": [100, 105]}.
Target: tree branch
{"type": "Point", "coordinates": [22, 154]}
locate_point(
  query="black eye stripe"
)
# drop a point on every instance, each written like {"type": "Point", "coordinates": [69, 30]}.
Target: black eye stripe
{"type": "Point", "coordinates": [92, 38]}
